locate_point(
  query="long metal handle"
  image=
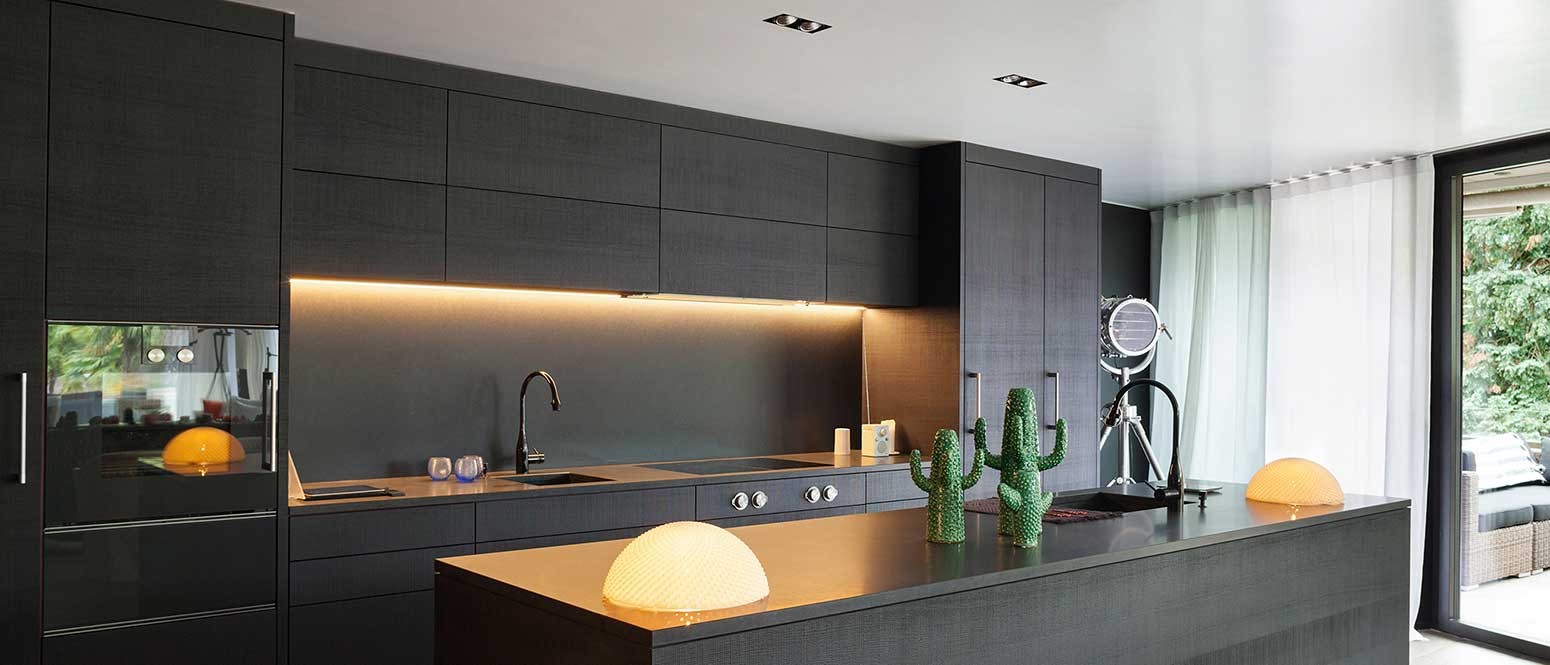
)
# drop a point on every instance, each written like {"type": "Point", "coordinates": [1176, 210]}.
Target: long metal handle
{"type": "Point", "coordinates": [1056, 377]}
{"type": "Point", "coordinates": [274, 424]}
{"type": "Point", "coordinates": [21, 475]}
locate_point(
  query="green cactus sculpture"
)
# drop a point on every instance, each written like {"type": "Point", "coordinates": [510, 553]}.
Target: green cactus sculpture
{"type": "Point", "coordinates": [1022, 503]}
{"type": "Point", "coordinates": [944, 508]}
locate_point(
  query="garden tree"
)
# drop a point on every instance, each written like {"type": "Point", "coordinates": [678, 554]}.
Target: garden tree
{"type": "Point", "coordinates": [1507, 323]}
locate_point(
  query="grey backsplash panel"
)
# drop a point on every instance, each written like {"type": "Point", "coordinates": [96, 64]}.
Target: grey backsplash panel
{"type": "Point", "coordinates": [385, 376]}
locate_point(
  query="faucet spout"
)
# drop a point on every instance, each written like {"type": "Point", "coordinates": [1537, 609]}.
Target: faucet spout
{"type": "Point", "coordinates": [525, 455]}
{"type": "Point", "coordinates": [1173, 491]}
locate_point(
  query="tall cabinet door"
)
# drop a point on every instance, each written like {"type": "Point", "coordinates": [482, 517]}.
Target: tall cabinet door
{"type": "Point", "coordinates": [23, 151]}
{"type": "Point", "coordinates": [164, 170]}
{"type": "Point", "coordinates": [1003, 295]}
{"type": "Point", "coordinates": [1071, 329]}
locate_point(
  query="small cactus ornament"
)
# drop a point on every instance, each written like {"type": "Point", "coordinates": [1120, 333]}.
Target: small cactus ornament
{"type": "Point", "coordinates": [944, 508]}
{"type": "Point", "coordinates": [1022, 503]}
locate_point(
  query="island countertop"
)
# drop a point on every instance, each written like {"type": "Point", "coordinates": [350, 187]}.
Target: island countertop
{"type": "Point", "coordinates": [833, 565]}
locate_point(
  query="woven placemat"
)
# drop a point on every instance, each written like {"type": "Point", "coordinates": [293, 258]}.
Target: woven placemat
{"type": "Point", "coordinates": [1051, 516]}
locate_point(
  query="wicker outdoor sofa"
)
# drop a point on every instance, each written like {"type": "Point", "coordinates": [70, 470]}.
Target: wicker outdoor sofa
{"type": "Point", "coordinates": [1506, 531]}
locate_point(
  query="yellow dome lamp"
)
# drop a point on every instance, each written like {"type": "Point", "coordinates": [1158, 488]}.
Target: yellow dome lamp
{"type": "Point", "coordinates": [206, 448]}
{"type": "Point", "coordinates": [1294, 481]}
{"type": "Point", "coordinates": [685, 567]}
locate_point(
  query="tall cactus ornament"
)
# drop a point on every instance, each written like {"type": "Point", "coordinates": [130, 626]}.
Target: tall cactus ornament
{"type": "Point", "coordinates": [944, 507]}
{"type": "Point", "coordinates": [1022, 502]}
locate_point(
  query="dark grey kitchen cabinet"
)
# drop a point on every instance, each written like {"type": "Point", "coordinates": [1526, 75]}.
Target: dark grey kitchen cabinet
{"type": "Point", "coordinates": [576, 513]}
{"type": "Point", "coordinates": [771, 518]}
{"type": "Point", "coordinates": [1071, 250]}
{"type": "Point", "coordinates": [728, 175]}
{"type": "Point", "coordinates": [245, 638]}
{"type": "Point", "coordinates": [164, 170]}
{"type": "Point", "coordinates": [781, 495]}
{"type": "Point", "coordinates": [371, 531]}
{"type": "Point", "coordinates": [871, 268]}
{"type": "Point", "coordinates": [366, 575]}
{"type": "Point", "coordinates": [742, 258]}
{"type": "Point", "coordinates": [23, 191]}
{"type": "Point", "coordinates": [397, 629]}
{"type": "Point", "coordinates": [872, 195]}
{"type": "Point", "coordinates": [532, 149]}
{"type": "Point", "coordinates": [525, 240]}
{"type": "Point", "coordinates": [369, 126]}
{"type": "Point", "coordinates": [348, 226]}
{"type": "Point", "coordinates": [1007, 301]}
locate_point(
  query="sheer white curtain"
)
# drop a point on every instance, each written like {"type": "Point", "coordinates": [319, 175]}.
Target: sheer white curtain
{"type": "Point", "coordinates": [1348, 369]}
{"type": "Point", "coordinates": [1212, 294]}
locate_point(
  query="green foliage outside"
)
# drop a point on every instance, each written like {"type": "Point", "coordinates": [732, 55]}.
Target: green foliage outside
{"type": "Point", "coordinates": [80, 357]}
{"type": "Point", "coordinates": [1507, 323]}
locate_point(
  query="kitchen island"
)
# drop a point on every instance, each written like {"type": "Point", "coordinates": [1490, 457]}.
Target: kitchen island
{"type": "Point", "coordinates": [1234, 582]}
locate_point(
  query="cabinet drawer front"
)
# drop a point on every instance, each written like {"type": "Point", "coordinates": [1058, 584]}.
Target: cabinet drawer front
{"type": "Point", "coordinates": [870, 195]}
{"type": "Point", "coordinates": [236, 639]}
{"type": "Point", "coordinates": [727, 175]}
{"type": "Point", "coordinates": [562, 539]}
{"type": "Point", "coordinates": [127, 573]}
{"type": "Point", "coordinates": [346, 577]}
{"type": "Point", "coordinates": [893, 486]}
{"type": "Point", "coordinates": [369, 126]}
{"type": "Point", "coordinates": [792, 516]}
{"type": "Point", "coordinates": [346, 226]}
{"type": "Point", "coordinates": [576, 513]}
{"type": "Point", "coordinates": [519, 147]}
{"type": "Point", "coordinates": [372, 531]}
{"type": "Point", "coordinates": [785, 495]}
{"type": "Point", "coordinates": [871, 268]}
{"type": "Point", "coordinates": [387, 630]}
{"type": "Point", "coordinates": [743, 258]}
{"type": "Point", "coordinates": [896, 505]}
{"type": "Point", "coordinates": [519, 239]}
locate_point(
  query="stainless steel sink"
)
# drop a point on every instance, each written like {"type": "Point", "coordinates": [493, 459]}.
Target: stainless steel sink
{"type": "Point", "coordinates": [556, 479]}
{"type": "Point", "coordinates": [716, 466]}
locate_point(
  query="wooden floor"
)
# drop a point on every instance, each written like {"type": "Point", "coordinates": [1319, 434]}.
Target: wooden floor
{"type": "Point", "coordinates": [1444, 649]}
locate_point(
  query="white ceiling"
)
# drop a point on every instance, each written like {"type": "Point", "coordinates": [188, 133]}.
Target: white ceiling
{"type": "Point", "coordinates": [1171, 98]}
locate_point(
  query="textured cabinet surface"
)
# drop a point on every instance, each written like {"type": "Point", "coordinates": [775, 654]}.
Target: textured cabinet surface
{"type": "Point", "coordinates": [782, 495]}
{"type": "Point", "coordinates": [1071, 249]}
{"type": "Point", "coordinates": [369, 126]}
{"type": "Point", "coordinates": [744, 258]}
{"type": "Point", "coordinates": [871, 195]}
{"type": "Point", "coordinates": [343, 534]}
{"type": "Point", "coordinates": [727, 175]}
{"type": "Point", "coordinates": [347, 226]}
{"type": "Point", "coordinates": [237, 639]}
{"type": "Point", "coordinates": [364, 575]}
{"type": "Point", "coordinates": [524, 240]}
{"type": "Point", "coordinates": [547, 516]}
{"type": "Point", "coordinates": [398, 629]}
{"type": "Point", "coordinates": [871, 268]}
{"type": "Point", "coordinates": [520, 147]}
{"type": "Point", "coordinates": [164, 171]}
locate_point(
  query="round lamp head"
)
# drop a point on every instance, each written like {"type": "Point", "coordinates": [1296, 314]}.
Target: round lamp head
{"type": "Point", "coordinates": [203, 445]}
{"type": "Point", "coordinates": [685, 567]}
{"type": "Point", "coordinates": [1295, 482]}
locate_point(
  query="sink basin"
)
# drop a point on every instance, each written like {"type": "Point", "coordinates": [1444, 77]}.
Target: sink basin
{"type": "Point", "coordinates": [712, 467]}
{"type": "Point", "coordinates": [1109, 501]}
{"type": "Point", "coordinates": [556, 479]}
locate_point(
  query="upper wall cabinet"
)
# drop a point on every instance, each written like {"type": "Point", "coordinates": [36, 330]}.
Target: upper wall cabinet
{"type": "Point", "coordinates": [164, 170]}
{"type": "Point", "coordinates": [532, 149]}
{"type": "Point", "coordinates": [368, 126]}
{"type": "Point", "coordinates": [741, 258]}
{"type": "Point", "coordinates": [351, 226]}
{"type": "Point", "coordinates": [726, 175]}
{"type": "Point", "coordinates": [871, 195]}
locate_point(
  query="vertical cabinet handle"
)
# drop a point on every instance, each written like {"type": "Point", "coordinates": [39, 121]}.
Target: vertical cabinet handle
{"type": "Point", "coordinates": [21, 474]}
{"type": "Point", "coordinates": [979, 382]}
{"type": "Point", "coordinates": [273, 393]}
{"type": "Point", "coordinates": [1056, 377]}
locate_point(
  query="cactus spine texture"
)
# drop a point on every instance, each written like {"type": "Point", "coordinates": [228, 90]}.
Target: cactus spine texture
{"type": "Point", "coordinates": [1022, 503]}
{"type": "Point", "coordinates": [944, 519]}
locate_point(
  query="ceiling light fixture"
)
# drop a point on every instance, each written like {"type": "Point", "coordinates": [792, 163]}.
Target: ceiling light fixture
{"type": "Point", "coordinates": [1020, 81]}
{"type": "Point", "coordinates": [797, 23]}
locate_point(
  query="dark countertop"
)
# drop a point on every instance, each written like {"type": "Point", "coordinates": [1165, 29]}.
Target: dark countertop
{"type": "Point", "coordinates": [422, 491]}
{"type": "Point", "coordinates": [827, 566]}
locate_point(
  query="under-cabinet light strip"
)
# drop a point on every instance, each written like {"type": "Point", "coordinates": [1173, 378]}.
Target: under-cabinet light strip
{"type": "Point", "coordinates": [669, 297]}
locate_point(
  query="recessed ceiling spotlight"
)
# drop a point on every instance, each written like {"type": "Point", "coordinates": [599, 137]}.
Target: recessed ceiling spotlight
{"type": "Point", "coordinates": [797, 23]}
{"type": "Point", "coordinates": [1019, 81]}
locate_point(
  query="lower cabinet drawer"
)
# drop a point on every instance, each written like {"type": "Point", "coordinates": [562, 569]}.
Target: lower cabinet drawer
{"type": "Point", "coordinates": [896, 505]}
{"type": "Point", "coordinates": [892, 486]}
{"type": "Point", "coordinates": [770, 518]}
{"type": "Point", "coordinates": [576, 513]}
{"type": "Point", "coordinates": [781, 495]}
{"type": "Point", "coordinates": [562, 539]}
{"type": "Point", "coordinates": [346, 577]}
{"type": "Point", "coordinates": [126, 572]}
{"type": "Point", "coordinates": [368, 531]}
{"type": "Point", "coordinates": [235, 639]}
{"type": "Point", "coordinates": [387, 630]}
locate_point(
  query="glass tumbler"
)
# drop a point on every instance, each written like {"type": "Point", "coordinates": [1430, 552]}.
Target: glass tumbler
{"type": "Point", "coordinates": [469, 468]}
{"type": "Point", "coordinates": [439, 468]}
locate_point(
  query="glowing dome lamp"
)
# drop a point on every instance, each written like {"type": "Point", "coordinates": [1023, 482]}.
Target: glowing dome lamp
{"type": "Point", "coordinates": [1294, 481]}
{"type": "Point", "coordinates": [685, 567]}
{"type": "Point", "coordinates": [203, 445]}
